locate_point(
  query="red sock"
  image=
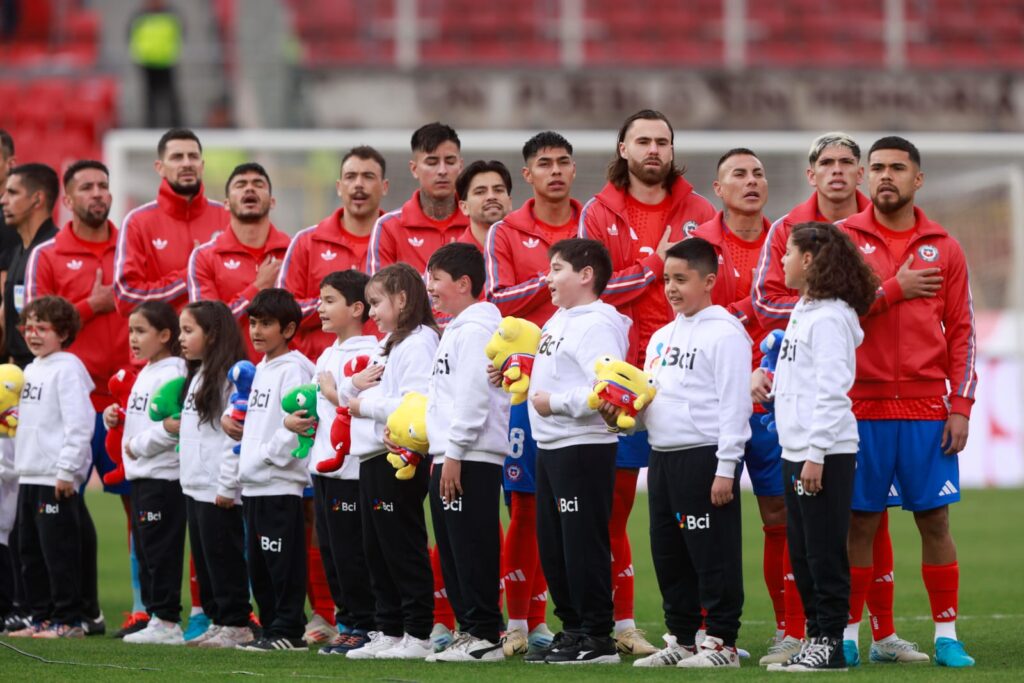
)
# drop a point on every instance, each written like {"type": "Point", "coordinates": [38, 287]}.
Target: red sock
{"type": "Point", "coordinates": [317, 590]}
{"type": "Point", "coordinates": [942, 581]}
{"type": "Point", "coordinates": [774, 551]}
{"type": "Point", "coordinates": [622, 555]}
{"type": "Point", "coordinates": [193, 583]}
{"type": "Point", "coordinates": [795, 619]}
{"type": "Point", "coordinates": [880, 593]}
{"type": "Point", "coordinates": [538, 613]}
{"type": "Point", "coordinates": [520, 560]}
{"type": "Point", "coordinates": [860, 579]}
{"type": "Point", "coordinates": [443, 613]}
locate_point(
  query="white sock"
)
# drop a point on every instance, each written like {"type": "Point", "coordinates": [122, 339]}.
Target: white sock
{"type": "Point", "coordinates": [945, 629]}
{"type": "Point", "coordinates": [780, 633]}
{"type": "Point", "coordinates": [195, 611]}
{"type": "Point", "coordinates": [520, 624]}
{"type": "Point", "coordinates": [852, 632]}
{"type": "Point", "coordinates": [624, 625]}
{"type": "Point", "coordinates": [888, 639]}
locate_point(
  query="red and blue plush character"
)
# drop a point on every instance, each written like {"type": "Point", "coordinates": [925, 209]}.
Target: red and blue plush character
{"type": "Point", "coordinates": [120, 386]}
{"type": "Point", "coordinates": [241, 375]}
{"type": "Point", "coordinates": [770, 347]}
{"type": "Point", "coordinates": [341, 428]}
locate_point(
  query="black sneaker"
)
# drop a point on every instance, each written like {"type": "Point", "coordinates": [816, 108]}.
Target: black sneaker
{"type": "Point", "coordinates": [95, 627]}
{"type": "Point", "coordinates": [561, 639]}
{"type": "Point", "coordinates": [586, 650]}
{"type": "Point", "coordinates": [824, 654]}
{"type": "Point", "coordinates": [14, 622]}
{"type": "Point", "coordinates": [275, 645]}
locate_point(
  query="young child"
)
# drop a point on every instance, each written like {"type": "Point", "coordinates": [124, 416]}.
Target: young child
{"type": "Point", "coordinates": [52, 458]}
{"type": "Point", "coordinates": [394, 526]}
{"type": "Point", "coordinates": [467, 423]}
{"type": "Point", "coordinates": [211, 343]}
{"type": "Point", "coordinates": [576, 453]}
{"type": "Point", "coordinates": [151, 464]}
{"type": "Point", "coordinates": [272, 479]}
{"type": "Point", "coordinates": [817, 429]}
{"type": "Point", "coordinates": [698, 425]}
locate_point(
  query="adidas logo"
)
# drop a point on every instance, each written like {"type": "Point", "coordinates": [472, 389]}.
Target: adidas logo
{"type": "Point", "coordinates": [632, 235]}
{"type": "Point", "coordinates": [627, 572]}
{"type": "Point", "coordinates": [735, 272]}
{"type": "Point", "coordinates": [885, 578]}
{"type": "Point", "coordinates": [948, 489]}
{"type": "Point", "coordinates": [443, 594]}
{"type": "Point", "coordinates": [868, 248]}
{"type": "Point", "coordinates": [541, 597]}
{"type": "Point", "coordinates": [789, 577]}
{"type": "Point", "coordinates": [232, 264]}
{"type": "Point", "coordinates": [516, 575]}
{"type": "Point", "coordinates": [531, 243]}
{"type": "Point", "coordinates": [159, 244]}
{"type": "Point", "coordinates": [946, 615]}
{"type": "Point", "coordinates": [613, 229]}
{"type": "Point", "coordinates": [74, 265]}
{"type": "Point", "coordinates": [893, 493]}
{"type": "Point", "coordinates": [416, 242]}
{"type": "Point", "coordinates": [328, 255]}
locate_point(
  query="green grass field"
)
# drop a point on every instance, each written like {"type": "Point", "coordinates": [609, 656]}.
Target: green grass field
{"type": "Point", "coordinates": [986, 527]}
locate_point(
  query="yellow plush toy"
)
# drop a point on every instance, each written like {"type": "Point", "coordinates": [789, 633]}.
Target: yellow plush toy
{"type": "Point", "coordinates": [408, 427]}
{"type": "Point", "coordinates": [11, 381]}
{"type": "Point", "coordinates": [622, 385]}
{"type": "Point", "coordinates": [511, 350]}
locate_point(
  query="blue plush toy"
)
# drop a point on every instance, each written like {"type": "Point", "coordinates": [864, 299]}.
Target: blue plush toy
{"type": "Point", "coordinates": [770, 347]}
{"type": "Point", "coordinates": [240, 374]}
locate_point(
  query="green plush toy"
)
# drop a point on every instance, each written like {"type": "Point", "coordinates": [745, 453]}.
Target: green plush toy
{"type": "Point", "coordinates": [302, 397]}
{"type": "Point", "coordinates": [167, 401]}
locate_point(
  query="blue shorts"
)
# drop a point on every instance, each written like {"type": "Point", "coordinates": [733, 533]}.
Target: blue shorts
{"type": "Point", "coordinates": [763, 459]}
{"type": "Point", "coordinates": [633, 451]}
{"type": "Point", "coordinates": [102, 462]}
{"type": "Point", "coordinates": [520, 470]}
{"type": "Point", "coordinates": [904, 458]}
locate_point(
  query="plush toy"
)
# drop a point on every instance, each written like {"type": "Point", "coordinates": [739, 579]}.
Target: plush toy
{"type": "Point", "coordinates": [167, 401]}
{"type": "Point", "coordinates": [240, 374]}
{"type": "Point", "coordinates": [408, 428]}
{"type": "Point", "coordinates": [511, 350]}
{"type": "Point", "coordinates": [341, 428]}
{"type": "Point", "coordinates": [622, 385]}
{"type": "Point", "coordinates": [11, 381]}
{"type": "Point", "coordinates": [302, 397]}
{"type": "Point", "coordinates": [120, 385]}
{"type": "Point", "coordinates": [770, 347]}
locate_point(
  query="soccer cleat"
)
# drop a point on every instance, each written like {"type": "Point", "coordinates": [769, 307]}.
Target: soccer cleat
{"type": "Point", "coordinates": [204, 636]}
{"type": "Point", "coordinates": [377, 642]}
{"type": "Point", "coordinates": [632, 641]}
{"type": "Point", "coordinates": [408, 648]}
{"type": "Point", "coordinates": [275, 645]}
{"type": "Point", "coordinates": [30, 630]}
{"type": "Point", "coordinates": [441, 637]}
{"type": "Point", "coordinates": [851, 652]}
{"type": "Point", "coordinates": [346, 642]}
{"type": "Point", "coordinates": [133, 623]}
{"type": "Point", "coordinates": [467, 648]}
{"type": "Point", "coordinates": [540, 637]}
{"type": "Point", "coordinates": [95, 627]}
{"type": "Point", "coordinates": [318, 630]}
{"type": "Point", "coordinates": [782, 651]}
{"type": "Point", "coordinates": [228, 638]}
{"type": "Point", "coordinates": [712, 654]}
{"type": "Point", "coordinates": [59, 631]}
{"type": "Point", "coordinates": [198, 624]}
{"type": "Point", "coordinates": [14, 622]}
{"type": "Point", "coordinates": [951, 653]}
{"type": "Point", "coordinates": [895, 650]}
{"type": "Point", "coordinates": [670, 656]}
{"type": "Point", "coordinates": [515, 642]}
{"type": "Point", "coordinates": [157, 632]}
{"type": "Point", "coordinates": [586, 650]}
{"type": "Point", "coordinates": [824, 654]}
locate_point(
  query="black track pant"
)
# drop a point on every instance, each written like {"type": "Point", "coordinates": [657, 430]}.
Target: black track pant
{"type": "Point", "coordinates": [217, 539]}
{"type": "Point", "coordinates": [50, 548]}
{"type": "Point", "coordinates": [395, 543]}
{"type": "Point", "coordinates": [158, 528]}
{"type": "Point", "coordinates": [467, 531]}
{"type": "Point", "coordinates": [816, 529]}
{"type": "Point", "coordinates": [277, 562]}
{"type": "Point", "coordinates": [697, 548]}
{"type": "Point", "coordinates": [575, 486]}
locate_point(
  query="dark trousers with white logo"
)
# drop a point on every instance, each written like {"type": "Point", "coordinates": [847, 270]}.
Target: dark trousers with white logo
{"type": "Point", "coordinates": [158, 527]}
{"type": "Point", "coordinates": [50, 548]}
{"type": "Point", "coordinates": [575, 486]}
{"type": "Point", "coordinates": [467, 531]}
{"type": "Point", "coordinates": [816, 529]}
{"type": "Point", "coordinates": [277, 562]}
{"type": "Point", "coordinates": [339, 526]}
{"type": "Point", "coordinates": [696, 547]}
{"type": "Point", "coordinates": [395, 542]}
{"type": "Point", "coordinates": [217, 540]}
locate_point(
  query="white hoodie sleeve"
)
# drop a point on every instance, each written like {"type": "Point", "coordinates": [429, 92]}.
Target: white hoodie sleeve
{"type": "Point", "coordinates": [278, 450]}
{"type": "Point", "coordinates": [473, 407]}
{"type": "Point", "coordinates": [152, 441]}
{"type": "Point", "coordinates": [573, 402]}
{"type": "Point", "coordinates": [411, 361]}
{"type": "Point", "coordinates": [831, 348]}
{"type": "Point", "coordinates": [79, 420]}
{"type": "Point", "coordinates": [732, 360]}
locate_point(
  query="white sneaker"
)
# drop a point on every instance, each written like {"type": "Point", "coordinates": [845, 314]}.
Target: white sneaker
{"type": "Point", "coordinates": [468, 648]}
{"type": "Point", "coordinates": [157, 632]}
{"type": "Point", "coordinates": [378, 642]}
{"type": "Point", "coordinates": [408, 648]}
{"type": "Point", "coordinates": [515, 642]}
{"type": "Point", "coordinates": [894, 650]}
{"type": "Point", "coordinates": [712, 654]}
{"type": "Point", "coordinates": [781, 651]}
{"type": "Point", "coordinates": [670, 656]}
{"type": "Point", "coordinates": [319, 630]}
{"type": "Point", "coordinates": [209, 633]}
{"type": "Point", "coordinates": [229, 637]}
{"type": "Point", "coordinates": [441, 637]}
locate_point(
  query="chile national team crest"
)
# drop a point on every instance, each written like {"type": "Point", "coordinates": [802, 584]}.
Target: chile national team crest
{"type": "Point", "coordinates": [928, 252]}
{"type": "Point", "coordinates": [513, 472]}
{"type": "Point", "coordinates": [689, 227]}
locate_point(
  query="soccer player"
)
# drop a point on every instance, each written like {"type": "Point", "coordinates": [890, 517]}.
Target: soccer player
{"type": "Point", "coordinates": [157, 238]}
{"type": "Point", "coordinates": [244, 259]}
{"type": "Point", "coordinates": [484, 189]}
{"type": "Point", "coordinates": [644, 207]}
{"type": "Point", "coordinates": [338, 242]}
{"type": "Point", "coordinates": [431, 217]}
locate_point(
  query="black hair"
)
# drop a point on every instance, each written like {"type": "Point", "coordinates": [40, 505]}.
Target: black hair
{"type": "Point", "coordinates": [580, 253]}
{"type": "Point", "coordinates": [176, 134]}
{"type": "Point", "coordinates": [896, 142]}
{"type": "Point", "coordinates": [479, 166]}
{"type": "Point", "coordinates": [162, 316]}
{"type": "Point", "coordinates": [249, 167]}
{"type": "Point", "coordinates": [735, 152]}
{"type": "Point", "coordinates": [6, 144]}
{"type": "Point", "coordinates": [81, 165]}
{"type": "Point", "coordinates": [276, 304]}
{"type": "Point", "coordinates": [39, 178]}
{"type": "Point", "coordinates": [223, 349]}
{"type": "Point", "coordinates": [429, 137]}
{"type": "Point", "coordinates": [618, 168]}
{"type": "Point", "coordinates": [57, 311]}
{"type": "Point", "coordinates": [367, 153]}
{"type": "Point", "coordinates": [548, 139]}
{"type": "Point", "coordinates": [401, 278]}
{"type": "Point", "coordinates": [351, 284]}
{"type": "Point", "coordinates": [458, 259]}
{"type": "Point", "coordinates": [698, 253]}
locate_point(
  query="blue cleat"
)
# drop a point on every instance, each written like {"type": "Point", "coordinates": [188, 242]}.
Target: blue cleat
{"type": "Point", "coordinates": [951, 653]}
{"type": "Point", "coordinates": [197, 626]}
{"type": "Point", "coordinates": [852, 653]}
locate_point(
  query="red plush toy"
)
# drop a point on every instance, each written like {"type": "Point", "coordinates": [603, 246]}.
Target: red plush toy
{"type": "Point", "coordinates": [120, 385]}
{"type": "Point", "coordinates": [341, 428]}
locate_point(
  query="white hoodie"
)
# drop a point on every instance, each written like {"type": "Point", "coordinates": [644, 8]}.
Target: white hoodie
{"type": "Point", "coordinates": [56, 421]}
{"type": "Point", "coordinates": [467, 416]}
{"type": "Point", "coordinates": [701, 368]}
{"type": "Point", "coordinates": [406, 368]}
{"type": "Point", "coordinates": [266, 466]}
{"type": "Point", "coordinates": [571, 342]}
{"type": "Point", "coordinates": [150, 443]}
{"type": "Point", "coordinates": [816, 369]}
{"type": "Point", "coordinates": [364, 442]}
{"type": "Point", "coordinates": [209, 468]}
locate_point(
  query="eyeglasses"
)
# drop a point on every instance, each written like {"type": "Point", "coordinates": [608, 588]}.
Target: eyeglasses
{"type": "Point", "coordinates": [35, 328]}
